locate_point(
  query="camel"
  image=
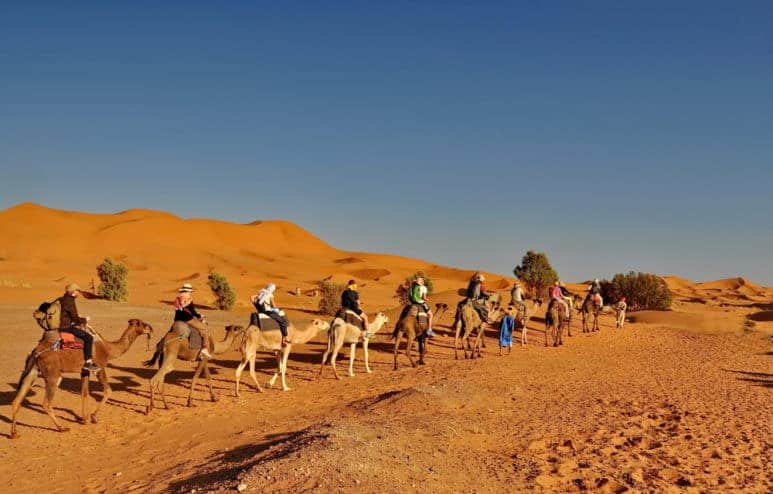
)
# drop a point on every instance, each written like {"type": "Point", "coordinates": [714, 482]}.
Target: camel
{"type": "Point", "coordinates": [52, 364]}
{"type": "Point", "coordinates": [467, 321]}
{"type": "Point", "coordinates": [414, 329]}
{"type": "Point", "coordinates": [589, 308]}
{"type": "Point", "coordinates": [342, 332]}
{"type": "Point", "coordinates": [271, 340]}
{"type": "Point", "coordinates": [555, 321]}
{"type": "Point", "coordinates": [174, 346]}
{"type": "Point", "coordinates": [522, 316]}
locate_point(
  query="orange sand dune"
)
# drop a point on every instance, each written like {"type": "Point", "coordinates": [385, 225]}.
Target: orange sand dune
{"type": "Point", "coordinates": [42, 249]}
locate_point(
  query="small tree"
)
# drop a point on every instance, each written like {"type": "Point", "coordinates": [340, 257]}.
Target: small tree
{"type": "Point", "coordinates": [112, 277]}
{"type": "Point", "coordinates": [225, 298]}
{"type": "Point", "coordinates": [536, 272]}
{"type": "Point", "coordinates": [642, 291]}
{"type": "Point", "coordinates": [402, 290]}
{"type": "Point", "coordinates": [330, 300]}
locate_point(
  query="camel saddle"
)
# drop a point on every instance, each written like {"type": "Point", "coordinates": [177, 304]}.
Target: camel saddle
{"type": "Point", "coordinates": [185, 332]}
{"type": "Point", "coordinates": [264, 322]}
{"type": "Point", "coordinates": [351, 317]}
{"type": "Point", "coordinates": [61, 341]}
{"type": "Point", "coordinates": [418, 311]}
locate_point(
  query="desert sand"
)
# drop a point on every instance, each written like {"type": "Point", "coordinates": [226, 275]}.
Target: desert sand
{"type": "Point", "coordinates": [676, 401]}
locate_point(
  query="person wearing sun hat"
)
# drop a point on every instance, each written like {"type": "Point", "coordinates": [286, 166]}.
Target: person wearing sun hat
{"type": "Point", "coordinates": [71, 322]}
{"type": "Point", "coordinates": [264, 303]}
{"type": "Point", "coordinates": [350, 300]}
{"type": "Point", "coordinates": [185, 311]}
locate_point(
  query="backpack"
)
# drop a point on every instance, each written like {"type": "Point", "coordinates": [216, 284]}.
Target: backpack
{"type": "Point", "coordinates": [415, 293]}
{"type": "Point", "coordinates": [48, 315]}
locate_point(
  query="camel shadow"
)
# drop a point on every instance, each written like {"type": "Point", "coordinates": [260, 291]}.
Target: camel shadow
{"type": "Point", "coordinates": [763, 379]}
{"type": "Point", "coordinates": [238, 460]}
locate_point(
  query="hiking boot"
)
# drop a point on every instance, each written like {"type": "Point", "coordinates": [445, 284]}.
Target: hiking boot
{"type": "Point", "coordinates": [285, 342]}
{"type": "Point", "coordinates": [205, 353]}
{"type": "Point", "coordinates": [90, 366]}
{"type": "Point", "coordinates": [431, 333]}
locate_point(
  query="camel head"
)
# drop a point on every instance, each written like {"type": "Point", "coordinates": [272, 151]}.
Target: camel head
{"type": "Point", "coordinates": [235, 328]}
{"type": "Point", "coordinates": [140, 327]}
{"type": "Point", "coordinates": [380, 319]}
{"type": "Point", "coordinates": [320, 325]}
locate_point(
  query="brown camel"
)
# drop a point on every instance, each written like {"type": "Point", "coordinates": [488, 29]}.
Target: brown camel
{"type": "Point", "coordinates": [468, 321]}
{"type": "Point", "coordinates": [52, 364]}
{"type": "Point", "coordinates": [342, 332]}
{"type": "Point", "coordinates": [555, 322]}
{"type": "Point", "coordinates": [174, 346]}
{"type": "Point", "coordinates": [414, 328]}
{"type": "Point", "coordinates": [271, 340]}
{"type": "Point", "coordinates": [588, 309]}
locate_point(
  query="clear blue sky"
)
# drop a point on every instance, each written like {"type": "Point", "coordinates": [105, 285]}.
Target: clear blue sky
{"type": "Point", "coordinates": [621, 135]}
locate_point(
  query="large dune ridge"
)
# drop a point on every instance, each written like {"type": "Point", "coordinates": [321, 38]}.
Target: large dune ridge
{"type": "Point", "coordinates": [41, 249]}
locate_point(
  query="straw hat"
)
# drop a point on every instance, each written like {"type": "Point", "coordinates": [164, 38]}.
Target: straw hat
{"type": "Point", "coordinates": [186, 288]}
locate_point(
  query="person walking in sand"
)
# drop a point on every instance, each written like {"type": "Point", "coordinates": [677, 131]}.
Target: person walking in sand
{"type": "Point", "coordinates": [620, 309]}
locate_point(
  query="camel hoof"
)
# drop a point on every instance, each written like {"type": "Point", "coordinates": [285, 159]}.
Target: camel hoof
{"type": "Point", "coordinates": [147, 410]}
{"type": "Point", "coordinates": [369, 371]}
{"type": "Point", "coordinates": [286, 389]}
{"type": "Point", "coordinates": [421, 362]}
{"type": "Point", "coordinates": [191, 405]}
{"type": "Point", "coordinates": [64, 429]}
{"type": "Point", "coordinates": [215, 398]}
{"type": "Point", "coordinates": [94, 419]}
{"type": "Point", "coordinates": [14, 435]}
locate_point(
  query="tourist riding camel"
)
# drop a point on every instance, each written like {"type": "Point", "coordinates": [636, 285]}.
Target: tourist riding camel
{"type": "Point", "coordinates": [477, 294]}
{"type": "Point", "coordinates": [350, 301]}
{"type": "Point", "coordinates": [594, 292]}
{"type": "Point", "coordinates": [557, 294]}
{"type": "Point", "coordinates": [417, 295]}
{"type": "Point", "coordinates": [71, 322]}
{"type": "Point", "coordinates": [264, 303]}
{"type": "Point", "coordinates": [517, 296]}
{"type": "Point", "coordinates": [185, 311]}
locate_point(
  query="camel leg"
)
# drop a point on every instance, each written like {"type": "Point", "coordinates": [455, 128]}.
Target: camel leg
{"type": "Point", "coordinates": [84, 396]}
{"type": "Point", "coordinates": [324, 359]}
{"type": "Point", "coordinates": [409, 349]}
{"type": "Point", "coordinates": [398, 337]}
{"type": "Point", "coordinates": [457, 328]}
{"type": "Point", "coordinates": [212, 394]}
{"type": "Point", "coordinates": [278, 357]}
{"type": "Point", "coordinates": [52, 384]}
{"type": "Point", "coordinates": [365, 350]}
{"type": "Point", "coordinates": [106, 392]}
{"type": "Point", "coordinates": [422, 350]}
{"type": "Point", "coordinates": [334, 359]}
{"type": "Point", "coordinates": [26, 384]}
{"type": "Point", "coordinates": [238, 374]}
{"type": "Point", "coordinates": [252, 371]}
{"type": "Point", "coordinates": [283, 368]}
{"type": "Point", "coordinates": [199, 369]}
{"type": "Point", "coordinates": [352, 350]}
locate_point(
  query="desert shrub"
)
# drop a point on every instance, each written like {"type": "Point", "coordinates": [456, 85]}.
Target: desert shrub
{"type": "Point", "coordinates": [642, 291]}
{"type": "Point", "coordinates": [225, 298]}
{"type": "Point", "coordinates": [112, 280]}
{"type": "Point", "coordinates": [536, 272]}
{"type": "Point", "coordinates": [330, 296]}
{"type": "Point", "coordinates": [402, 290]}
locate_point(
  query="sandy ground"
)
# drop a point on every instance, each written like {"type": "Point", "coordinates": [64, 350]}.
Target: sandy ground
{"type": "Point", "coordinates": [651, 407]}
{"type": "Point", "coordinates": [677, 401]}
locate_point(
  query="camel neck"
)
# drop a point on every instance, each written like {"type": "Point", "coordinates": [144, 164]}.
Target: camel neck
{"type": "Point", "coordinates": [115, 349]}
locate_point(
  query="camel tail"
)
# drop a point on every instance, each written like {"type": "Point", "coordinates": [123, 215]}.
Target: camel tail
{"type": "Point", "coordinates": [28, 365]}
{"type": "Point", "coordinates": [158, 355]}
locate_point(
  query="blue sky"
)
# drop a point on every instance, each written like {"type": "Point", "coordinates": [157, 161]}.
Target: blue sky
{"type": "Point", "coordinates": [612, 135]}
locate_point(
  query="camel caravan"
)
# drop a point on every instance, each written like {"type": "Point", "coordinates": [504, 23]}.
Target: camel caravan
{"type": "Point", "coordinates": [70, 345]}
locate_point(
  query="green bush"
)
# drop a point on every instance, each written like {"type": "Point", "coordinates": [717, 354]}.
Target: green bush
{"type": "Point", "coordinates": [330, 300]}
{"type": "Point", "coordinates": [112, 278]}
{"type": "Point", "coordinates": [225, 298]}
{"type": "Point", "coordinates": [536, 272]}
{"type": "Point", "coordinates": [402, 290]}
{"type": "Point", "coordinates": [642, 291]}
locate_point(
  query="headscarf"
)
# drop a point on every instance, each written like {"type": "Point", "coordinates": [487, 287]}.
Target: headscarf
{"type": "Point", "coordinates": [183, 300]}
{"type": "Point", "coordinates": [264, 296]}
